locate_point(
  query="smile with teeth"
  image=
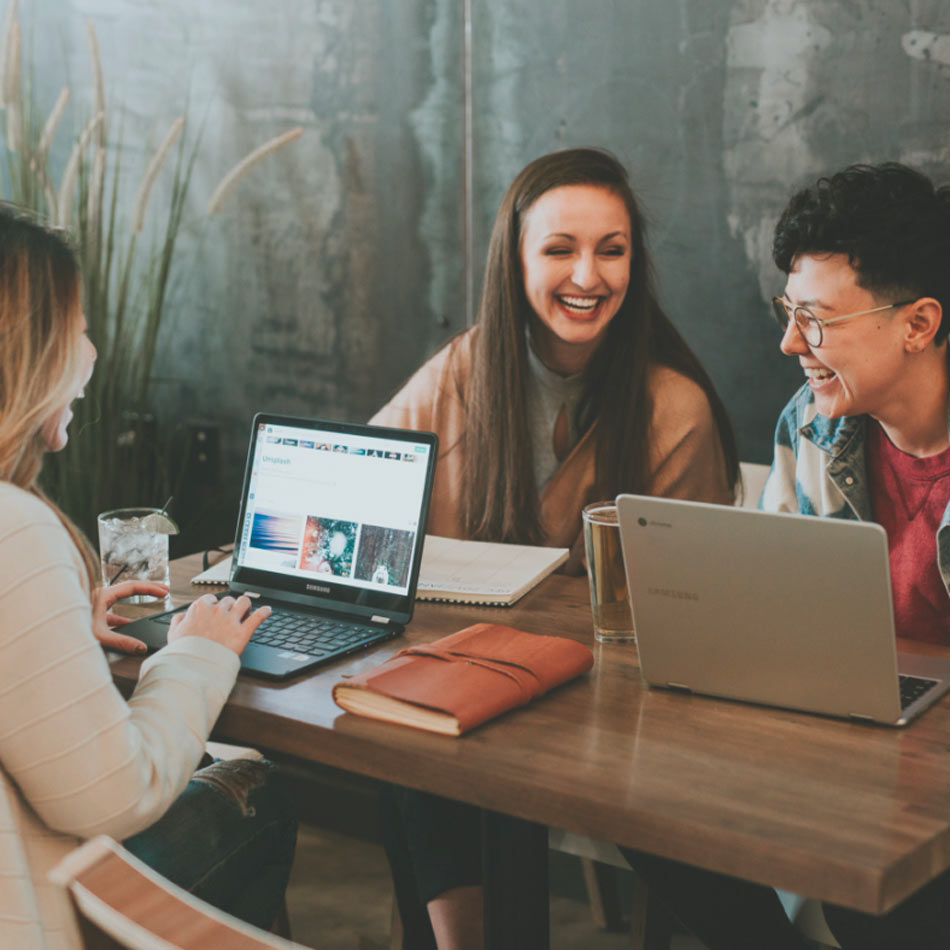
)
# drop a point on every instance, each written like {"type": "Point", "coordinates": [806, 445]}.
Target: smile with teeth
{"type": "Point", "coordinates": [818, 372]}
{"type": "Point", "coordinates": [578, 304]}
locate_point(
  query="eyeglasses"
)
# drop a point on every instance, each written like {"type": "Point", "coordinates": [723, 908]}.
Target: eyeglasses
{"type": "Point", "coordinates": [810, 326]}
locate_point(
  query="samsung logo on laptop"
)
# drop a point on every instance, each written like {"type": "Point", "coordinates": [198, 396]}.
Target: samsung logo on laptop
{"type": "Point", "coordinates": [319, 588]}
{"type": "Point", "coordinates": [672, 592]}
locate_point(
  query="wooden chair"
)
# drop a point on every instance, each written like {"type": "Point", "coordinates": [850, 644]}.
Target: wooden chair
{"type": "Point", "coordinates": [122, 903]}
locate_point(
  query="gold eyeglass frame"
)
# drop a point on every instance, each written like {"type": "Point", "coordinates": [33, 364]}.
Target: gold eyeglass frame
{"type": "Point", "coordinates": [780, 310]}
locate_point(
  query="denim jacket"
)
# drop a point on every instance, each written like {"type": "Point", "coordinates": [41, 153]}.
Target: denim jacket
{"type": "Point", "coordinates": [819, 468]}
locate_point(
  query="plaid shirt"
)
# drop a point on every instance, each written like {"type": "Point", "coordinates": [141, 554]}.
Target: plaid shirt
{"type": "Point", "coordinates": [819, 468]}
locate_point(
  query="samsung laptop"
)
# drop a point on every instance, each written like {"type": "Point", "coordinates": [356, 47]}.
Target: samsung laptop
{"type": "Point", "coordinates": [780, 609]}
{"type": "Point", "coordinates": [330, 535]}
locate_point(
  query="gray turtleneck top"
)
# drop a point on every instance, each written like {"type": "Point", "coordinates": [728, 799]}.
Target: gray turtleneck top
{"type": "Point", "coordinates": [548, 392]}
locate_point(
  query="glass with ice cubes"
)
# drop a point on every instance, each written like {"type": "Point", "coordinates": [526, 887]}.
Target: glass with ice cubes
{"type": "Point", "coordinates": [133, 545]}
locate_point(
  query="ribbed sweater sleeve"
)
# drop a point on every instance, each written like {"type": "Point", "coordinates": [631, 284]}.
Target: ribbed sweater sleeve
{"type": "Point", "coordinates": [86, 761]}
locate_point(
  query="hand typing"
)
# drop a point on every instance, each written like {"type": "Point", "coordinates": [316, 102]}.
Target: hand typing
{"type": "Point", "coordinates": [227, 621]}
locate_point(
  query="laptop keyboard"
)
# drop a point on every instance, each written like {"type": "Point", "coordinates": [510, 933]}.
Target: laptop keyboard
{"type": "Point", "coordinates": [306, 633]}
{"type": "Point", "coordinates": [913, 687]}
{"type": "Point", "coordinates": [315, 636]}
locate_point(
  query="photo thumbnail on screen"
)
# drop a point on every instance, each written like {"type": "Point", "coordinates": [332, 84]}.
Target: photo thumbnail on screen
{"type": "Point", "coordinates": [385, 555]}
{"type": "Point", "coordinates": [276, 533]}
{"type": "Point", "coordinates": [328, 546]}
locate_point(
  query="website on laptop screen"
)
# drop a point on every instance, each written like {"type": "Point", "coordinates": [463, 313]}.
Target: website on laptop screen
{"type": "Point", "coordinates": [335, 507]}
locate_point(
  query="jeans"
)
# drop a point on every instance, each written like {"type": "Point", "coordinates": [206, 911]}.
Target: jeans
{"type": "Point", "coordinates": [228, 839]}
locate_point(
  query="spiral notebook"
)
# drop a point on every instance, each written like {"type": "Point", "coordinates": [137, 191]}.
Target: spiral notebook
{"type": "Point", "coordinates": [219, 573]}
{"type": "Point", "coordinates": [483, 572]}
{"type": "Point", "coordinates": [462, 572]}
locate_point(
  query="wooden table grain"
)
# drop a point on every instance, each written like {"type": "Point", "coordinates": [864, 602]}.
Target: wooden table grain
{"type": "Point", "coordinates": [850, 813]}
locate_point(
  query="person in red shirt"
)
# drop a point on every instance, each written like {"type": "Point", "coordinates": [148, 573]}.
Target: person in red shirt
{"type": "Point", "coordinates": [866, 312]}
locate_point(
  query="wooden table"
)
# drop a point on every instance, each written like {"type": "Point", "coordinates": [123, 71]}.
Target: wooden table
{"type": "Point", "coordinates": [854, 814]}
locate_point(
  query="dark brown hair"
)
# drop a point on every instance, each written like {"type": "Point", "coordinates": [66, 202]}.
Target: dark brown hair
{"type": "Point", "coordinates": [500, 500]}
{"type": "Point", "coordinates": [889, 219]}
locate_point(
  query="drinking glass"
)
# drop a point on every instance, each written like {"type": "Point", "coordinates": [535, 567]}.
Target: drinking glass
{"type": "Point", "coordinates": [131, 549]}
{"type": "Point", "coordinates": [610, 606]}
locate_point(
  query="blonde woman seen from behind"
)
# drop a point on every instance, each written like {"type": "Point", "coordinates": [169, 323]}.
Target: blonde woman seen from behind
{"type": "Point", "coordinates": [76, 759]}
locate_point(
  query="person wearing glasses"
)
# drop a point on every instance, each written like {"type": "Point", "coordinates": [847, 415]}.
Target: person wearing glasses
{"type": "Point", "coordinates": [866, 312]}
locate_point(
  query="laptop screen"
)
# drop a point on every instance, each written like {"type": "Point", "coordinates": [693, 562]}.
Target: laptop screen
{"type": "Point", "coordinates": [333, 511]}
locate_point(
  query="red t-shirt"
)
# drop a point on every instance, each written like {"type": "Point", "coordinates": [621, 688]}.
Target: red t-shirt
{"type": "Point", "coordinates": [908, 498]}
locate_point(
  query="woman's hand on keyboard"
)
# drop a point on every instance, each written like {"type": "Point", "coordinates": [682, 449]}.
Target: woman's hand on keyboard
{"type": "Point", "coordinates": [227, 621]}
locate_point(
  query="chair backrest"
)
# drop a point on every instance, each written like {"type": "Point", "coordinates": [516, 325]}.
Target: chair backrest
{"type": "Point", "coordinates": [121, 902]}
{"type": "Point", "coordinates": [753, 481]}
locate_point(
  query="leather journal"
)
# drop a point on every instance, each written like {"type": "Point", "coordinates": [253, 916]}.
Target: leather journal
{"type": "Point", "coordinates": [464, 679]}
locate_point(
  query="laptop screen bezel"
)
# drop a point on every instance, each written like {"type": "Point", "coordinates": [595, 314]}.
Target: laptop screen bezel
{"type": "Point", "coordinates": [344, 599]}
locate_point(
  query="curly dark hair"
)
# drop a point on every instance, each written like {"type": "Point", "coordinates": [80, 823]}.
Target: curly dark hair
{"type": "Point", "coordinates": [889, 219]}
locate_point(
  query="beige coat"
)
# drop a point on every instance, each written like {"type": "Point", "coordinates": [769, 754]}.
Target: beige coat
{"type": "Point", "coordinates": [76, 759]}
{"type": "Point", "coordinates": [686, 459]}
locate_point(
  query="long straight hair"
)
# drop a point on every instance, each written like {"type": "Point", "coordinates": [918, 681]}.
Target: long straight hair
{"type": "Point", "coordinates": [500, 499]}
{"type": "Point", "coordinates": [40, 361]}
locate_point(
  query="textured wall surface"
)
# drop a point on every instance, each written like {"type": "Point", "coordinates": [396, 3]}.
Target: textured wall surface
{"type": "Point", "coordinates": [718, 109]}
{"type": "Point", "coordinates": [334, 267]}
{"type": "Point", "coordinates": [338, 265]}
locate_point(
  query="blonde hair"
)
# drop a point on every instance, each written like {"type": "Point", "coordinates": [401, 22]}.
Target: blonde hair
{"type": "Point", "coordinates": [40, 363]}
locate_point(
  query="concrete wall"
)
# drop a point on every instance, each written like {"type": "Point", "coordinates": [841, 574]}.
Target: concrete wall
{"type": "Point", "coordinates": [718, 109]}
{"type": "Point", "coordinates": [339, 265]}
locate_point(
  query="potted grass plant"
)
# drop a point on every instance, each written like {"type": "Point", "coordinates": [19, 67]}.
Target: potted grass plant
{"type": "Point", "coordinates": [118, 453]}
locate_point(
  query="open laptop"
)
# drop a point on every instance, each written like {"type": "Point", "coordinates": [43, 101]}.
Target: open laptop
{"type": "Point", "coordinates": [330, 534]}
{"type": "Point", "coordinates": [780, 609]}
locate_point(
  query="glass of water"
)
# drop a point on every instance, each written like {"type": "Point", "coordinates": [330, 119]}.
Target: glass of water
{"type": "Point", "coordinates": [613, 621]}
{"type": "Point", "coordinates": [133, 545]}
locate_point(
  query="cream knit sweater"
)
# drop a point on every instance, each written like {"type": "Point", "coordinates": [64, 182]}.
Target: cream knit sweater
{"type": "Point", "coordinates": [76, 760]}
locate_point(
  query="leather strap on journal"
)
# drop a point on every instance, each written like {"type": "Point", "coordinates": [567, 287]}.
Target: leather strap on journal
{"type": "Point", "coordinates": [526, 679]}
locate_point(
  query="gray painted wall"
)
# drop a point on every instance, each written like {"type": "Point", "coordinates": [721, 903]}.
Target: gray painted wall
{"type": "Point", "coordinates": [339, 265]}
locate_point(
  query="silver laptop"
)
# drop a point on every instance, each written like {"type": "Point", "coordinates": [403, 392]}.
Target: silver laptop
{"type": "Point", "coordinates": [785, 610]}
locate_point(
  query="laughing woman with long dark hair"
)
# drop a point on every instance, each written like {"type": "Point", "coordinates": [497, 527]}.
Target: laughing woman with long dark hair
{"type": "Point", "coordinates": [572, 386]}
